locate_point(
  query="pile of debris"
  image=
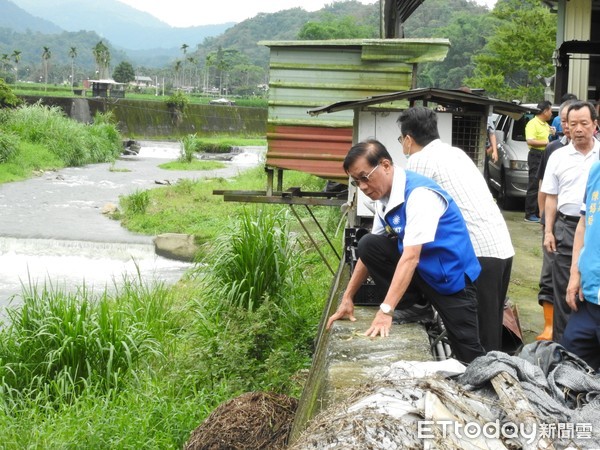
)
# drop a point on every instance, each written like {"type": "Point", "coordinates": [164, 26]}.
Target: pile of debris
{"type": "Point", "coordinates": [542, 399]}
{"type": "Point", "coordinates": [252, 421]}
{"type": "Point", "coordinates": [131, 147]}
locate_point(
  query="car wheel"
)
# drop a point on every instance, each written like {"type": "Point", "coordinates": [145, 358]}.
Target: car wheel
{"type": "Point", "coordinates": [504, 201]}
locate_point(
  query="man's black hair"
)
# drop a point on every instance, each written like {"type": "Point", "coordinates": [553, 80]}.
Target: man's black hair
{"type": "Point", "coordinates": [580, 105]}
{"type": "Point", "coordinates": [568, 96]}
{"type": "Point", "coordinates": [544, 105]}
{"type": "Point", "coordinates": [371, 149]}
{"type": "Point", "coordinates": [420, 123]}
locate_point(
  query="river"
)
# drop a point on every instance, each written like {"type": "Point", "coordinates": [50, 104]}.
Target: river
{"type": "Point", "coordinates": [52, 229]}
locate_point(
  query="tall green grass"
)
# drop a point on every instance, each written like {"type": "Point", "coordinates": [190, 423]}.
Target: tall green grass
{"type": "Point", "coordinates": [9, 145]}
{"type": "Point", "coordinates": [79, 370]}
{"type": "Point", "coordinates": [74, 143]}
{"type": "Point", "coordinates": [136, 203]}
{"type": "Point", "coordinates": [252, 262]}
{"type": "Point", "coordinates": [255, 320]}
{"type": "Point", "coordinates": [58, 343]}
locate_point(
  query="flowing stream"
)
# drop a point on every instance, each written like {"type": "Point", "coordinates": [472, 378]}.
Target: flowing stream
{"type": "Point", "coordinates": [52, 230]}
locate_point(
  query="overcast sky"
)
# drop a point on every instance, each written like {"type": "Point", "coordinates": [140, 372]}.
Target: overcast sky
{"type": "Point", "coordinates": [186, 13]}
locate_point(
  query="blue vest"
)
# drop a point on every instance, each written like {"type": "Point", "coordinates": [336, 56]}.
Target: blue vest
{"type": "Point", "coordinates": [589, 258]}
{"type": "Point", "coordinates": [444, 262]}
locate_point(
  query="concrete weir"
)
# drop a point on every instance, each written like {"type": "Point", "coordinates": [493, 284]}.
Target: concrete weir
{"type": "Point", "coordinates": [344, 358]}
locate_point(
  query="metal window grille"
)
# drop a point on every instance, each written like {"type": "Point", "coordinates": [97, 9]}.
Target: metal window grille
{"type": "Point", "coordinates": [469, 135]}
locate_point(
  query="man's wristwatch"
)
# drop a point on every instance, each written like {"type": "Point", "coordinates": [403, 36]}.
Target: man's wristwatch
{"type": "Point", "coordinates": [386, 309]}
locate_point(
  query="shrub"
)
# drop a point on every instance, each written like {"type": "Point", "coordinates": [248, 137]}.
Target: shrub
{"type": "Point", "coordinates": [178, 100]}
{"type": "Point", "coordinates": [74, 143]}
{"type": "Point", "coordinates": [7, 97]}
{"type": "Point", "coordinates": [136, 203]}
{"type": "Point", "coordinates": [189, 146]}
{"type": "Point", "coordinates": [252, 262]}
{"type": "Point", "coordinates": [256, 328]}
{"type": "Point", "coordinates": [213, 147]}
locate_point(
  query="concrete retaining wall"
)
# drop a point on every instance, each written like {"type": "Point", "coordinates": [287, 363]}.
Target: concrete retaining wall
{"type": "Point", "coordinates": [344, 358]}
{"type": "Point", "coordinates": [147, 119]}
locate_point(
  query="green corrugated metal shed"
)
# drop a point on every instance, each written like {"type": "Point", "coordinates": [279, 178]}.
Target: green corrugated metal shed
{"type": "Point", "coordinates": [308, 74]}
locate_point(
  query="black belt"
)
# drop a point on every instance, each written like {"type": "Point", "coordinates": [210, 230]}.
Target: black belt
{"type": "Point", "coordinates": [573, 219]}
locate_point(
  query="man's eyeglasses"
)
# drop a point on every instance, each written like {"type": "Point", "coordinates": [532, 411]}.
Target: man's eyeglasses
{"type": "Point", "coordinates": [364, 178]}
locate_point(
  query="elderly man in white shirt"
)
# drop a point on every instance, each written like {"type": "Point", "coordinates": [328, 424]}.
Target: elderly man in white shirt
{"type": "Point", "coordinates": [419, 242]}
{"type": "Point", "coordinates": [456, 173]}
{"type": "Point", "coordinates": [564, 185]}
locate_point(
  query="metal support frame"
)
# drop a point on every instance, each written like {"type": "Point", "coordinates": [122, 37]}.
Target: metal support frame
{"type": "Point", "coordinates": [312, 240]}
{"type": "Point", "coordinates": [292, 196]}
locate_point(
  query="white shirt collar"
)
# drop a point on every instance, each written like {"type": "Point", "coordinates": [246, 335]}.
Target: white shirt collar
{"type": "Point", "coordinates": [397, 195]}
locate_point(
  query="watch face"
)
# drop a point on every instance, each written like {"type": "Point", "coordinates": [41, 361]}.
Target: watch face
{"type": "Point", "coordinates": [385, 308]}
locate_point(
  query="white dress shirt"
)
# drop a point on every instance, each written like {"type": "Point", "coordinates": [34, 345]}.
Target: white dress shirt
{"type": "Point", "coordinates": [566, 176]}
{"type": "Point", "coordinates": [458, 175]}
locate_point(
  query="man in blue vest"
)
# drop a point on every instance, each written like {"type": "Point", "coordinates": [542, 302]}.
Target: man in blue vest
{"type": "Point", "coordinates": [419, 239]}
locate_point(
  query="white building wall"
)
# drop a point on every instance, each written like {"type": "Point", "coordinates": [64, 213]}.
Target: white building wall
{"type": "Point", "coordinates": [578, 27]}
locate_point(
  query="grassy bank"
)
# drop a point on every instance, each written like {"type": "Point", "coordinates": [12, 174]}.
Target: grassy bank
{"type": "Point", "coordinates": [36, 138]}
{"type": "Point", "coordinates": [143, 367]}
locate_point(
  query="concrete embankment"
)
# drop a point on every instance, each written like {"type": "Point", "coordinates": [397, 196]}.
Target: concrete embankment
{"type": "Point", "coordinates": [345, 359]}
{"type": "Point", "coordinates": [141, 118]}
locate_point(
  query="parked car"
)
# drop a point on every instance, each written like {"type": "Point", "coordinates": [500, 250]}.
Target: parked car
{"type": "Point", "coordinates": [508, 177]}
{"type": "Point", "coordinates": [222, 101]}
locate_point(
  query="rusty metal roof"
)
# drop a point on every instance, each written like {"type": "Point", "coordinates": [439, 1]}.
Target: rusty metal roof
{"type": "Point", "coordinates": [445, 97]}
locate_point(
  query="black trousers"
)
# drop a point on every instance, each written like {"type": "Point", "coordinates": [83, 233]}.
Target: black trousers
{"type": "Point", "coordinates": [564, 232]}
{"type": "Point", "coordinates": [546, 292]}
{"type": "Point", "coordinates": [458, 311]}
{"type": "Point", "coordinates": [582, 335]}
{"type": "Point", "coordinates": [492, 286]}
{"type": "Point", "coordinates": [534, 157]}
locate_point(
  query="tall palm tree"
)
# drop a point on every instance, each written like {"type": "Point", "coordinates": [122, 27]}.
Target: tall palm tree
{"type": "Point", "coordinates": [102, 57]}
{"type": "Point", "coordinates": [46, 55]}
{"type": "Point", "coordinates": [177, 69]}
{"type": "Point", "coordinates": [193, 63]}
{"type": "Point", "coordinates": [72, 55]}
{"type": "Point", "coordinates": [16, 56]}
{"type": "Point", "coordinates": [184, 48]}
{"type": "Point", "coordinates": [5, 61]}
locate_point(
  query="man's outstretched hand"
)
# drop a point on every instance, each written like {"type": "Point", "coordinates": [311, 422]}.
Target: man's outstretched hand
{"type": "Point", "coordinates": [381, 325]}
{"type": "Point", "coordinates": [344, 311]}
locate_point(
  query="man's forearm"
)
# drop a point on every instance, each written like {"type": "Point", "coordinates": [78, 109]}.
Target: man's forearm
{"type": "Point", "coordinates": [537, 142]}
{"type": "Point", "coordinates": [403, 275]}
{"type": "Point", "coordinates": [550, 211]}
{"type": "Point", "coordinates": [541, 201]}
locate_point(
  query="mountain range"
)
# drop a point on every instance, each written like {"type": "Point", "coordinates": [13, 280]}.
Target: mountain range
{"type": "Point", "coordinates": [125, 27]}
{"type": "Point", "coordinates": [138, 37]}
